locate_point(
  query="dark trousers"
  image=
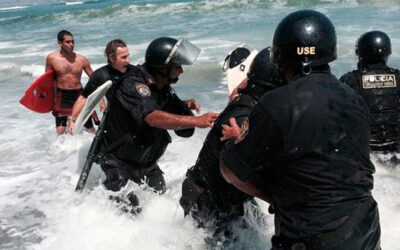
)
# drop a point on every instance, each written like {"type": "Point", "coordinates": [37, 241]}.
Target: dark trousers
{"type": "Point", "coordinates": [214, 213]}
{"type": "Point", "coordinates": [118, 176]}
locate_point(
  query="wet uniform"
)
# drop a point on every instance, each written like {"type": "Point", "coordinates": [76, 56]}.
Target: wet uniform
{"type": "Point", "coordinates": [379, 85]}
{"type": "Point", "coordinates": [131, 147]}
{"type": "Point", "coordinates": [307, 145]}
{"type": "Point", "coordinates": [205, 194]}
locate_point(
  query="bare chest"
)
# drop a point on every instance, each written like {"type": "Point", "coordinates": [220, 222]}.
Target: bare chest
{"type": "Point", "coordinates": [63, 67]}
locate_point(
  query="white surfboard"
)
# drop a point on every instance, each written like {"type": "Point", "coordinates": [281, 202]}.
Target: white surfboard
{"type": "Point", "coordinates": [237, 64]}
{"type": "Point", "coordinates": [92, 100]}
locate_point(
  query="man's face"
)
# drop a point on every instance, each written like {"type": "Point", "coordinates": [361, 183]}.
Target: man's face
{"type": "Point", "coordinates": [121, 59]}
{"type": "Point", "coordinates": [67, 45]}
{"type": "Point", "coordinates": [176, 70]}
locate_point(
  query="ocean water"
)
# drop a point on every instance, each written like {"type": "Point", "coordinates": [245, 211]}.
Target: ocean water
{"type": "Point", "coordinates": [39, 170]}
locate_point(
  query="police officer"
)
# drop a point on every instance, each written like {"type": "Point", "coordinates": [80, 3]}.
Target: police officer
{"type": "Point", "coordinates": [305, 147]}
{"type": "Point", "coordinates": [378, 85]}
{"type": "Point", "coordinates": [141, 110]}
{"type": "Point", "coordinates": [206, 196]}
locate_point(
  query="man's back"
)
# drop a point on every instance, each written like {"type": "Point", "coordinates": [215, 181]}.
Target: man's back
{"type": "Point", "coordinates": [378, 85]}
{"type": "Point", "coordinates": [324, 153]}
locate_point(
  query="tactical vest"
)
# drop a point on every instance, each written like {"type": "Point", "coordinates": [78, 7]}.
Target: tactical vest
{"type": "Point", "coordinates": [380, 88]}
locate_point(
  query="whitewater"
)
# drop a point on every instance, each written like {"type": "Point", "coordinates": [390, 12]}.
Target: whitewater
{"type": "Point", "coordinates": [39, 170]}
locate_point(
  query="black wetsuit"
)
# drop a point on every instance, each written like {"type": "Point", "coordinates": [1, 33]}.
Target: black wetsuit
{"type": "Point", "coordinates": [215, 204]}
{"type": "Point", "coordinates": [131, 147]}
{"type": "Point", "coordinates": [102, 75]}
{"type": "Point", "coordinates": [307, 147]}
{"type": "Point", "coordinates": [379, 85]}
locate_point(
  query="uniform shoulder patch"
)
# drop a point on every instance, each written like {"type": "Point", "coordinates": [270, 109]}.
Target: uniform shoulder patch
{"type": "Point", "coordinates": [143, 90]}
{"type": "Point", "coordinates": [244, 130]}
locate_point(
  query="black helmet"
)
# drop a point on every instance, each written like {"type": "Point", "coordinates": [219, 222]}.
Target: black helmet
{"type": "Point", "coordinates": [373, 45]}
{"type": "Point", "coordinates": [165, 50]}
{"type": "Point", "coordinates": [304, 38]}
{"type": "Point", "coordinates": [263, 71]}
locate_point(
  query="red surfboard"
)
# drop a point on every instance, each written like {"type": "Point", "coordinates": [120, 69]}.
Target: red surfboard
{"type": "Point", "coordinates": [39, 96]}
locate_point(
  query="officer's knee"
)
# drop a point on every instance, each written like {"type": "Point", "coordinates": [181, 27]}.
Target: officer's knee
{"type": "Point", "coordinates": [115, 178]}
{"type": "Point", "coordinates": [191, 191]}
{"type": "Point", "coordinates": [156, 181]}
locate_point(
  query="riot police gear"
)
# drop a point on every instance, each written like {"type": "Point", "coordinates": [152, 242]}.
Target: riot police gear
{"type": "Point", "coordinates": [165, 50]}
{"type": "Point", "coordinates": [373, 46]}
{"type": "Point", "coordinates": [304, 38]}
{"type": "Point", "coordinates": [263, 72]}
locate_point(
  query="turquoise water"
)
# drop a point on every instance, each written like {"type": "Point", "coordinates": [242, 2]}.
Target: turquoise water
{"type": "Point", "coordinates": [28, 30]}
{"type": "Point", "coordinates": [38, 170]}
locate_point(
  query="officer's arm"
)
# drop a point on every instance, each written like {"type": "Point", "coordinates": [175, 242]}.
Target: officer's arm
{"type": "Point", "coordinates": [165, 120]}
{"type": "Point", "coordinates": [245, 161]}
{"type": "Point", "coordinates": [90, 86]}
{"type": "Point", "coordinates": [248, 187]}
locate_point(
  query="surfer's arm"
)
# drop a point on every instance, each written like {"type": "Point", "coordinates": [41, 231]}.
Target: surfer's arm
{"type": "Point", "coordinates": [78, 105]}
{"type": "Point", "coordinates": [86, 67]}
{"type": "Point", "coordinates": [103, 104]}
{"type": "Point", "coordinates": [165, 120]}
{"type": "Point", "coordinates": [76, 109]}
{"type": "Point", "coordinates": [48, 63]}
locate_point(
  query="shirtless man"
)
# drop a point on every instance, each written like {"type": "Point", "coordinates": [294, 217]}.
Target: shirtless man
{"type": "Point", "coordinates": [68, 67]}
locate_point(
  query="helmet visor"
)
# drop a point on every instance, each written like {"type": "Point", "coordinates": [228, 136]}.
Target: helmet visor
{"type": "Point", "coordinates": [183, 53]}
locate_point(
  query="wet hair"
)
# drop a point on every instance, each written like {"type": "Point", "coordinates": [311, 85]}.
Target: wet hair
{"type": "Point", "coordinates": [62, 33]}
{"type": "Point", "coordinates": [111, 48]}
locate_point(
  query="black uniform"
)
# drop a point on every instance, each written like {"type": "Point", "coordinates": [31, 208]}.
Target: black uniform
{"type": "Point", "coordinates": [215, 204]}
{"type": "Point", "coordinates": [379, 86]}
{"type": "Point", "coordinates": [131, 147]}
{"type": "Point", "coordinates": [204, 192]}
{"type": "Point", "coordinates": [307, 145]}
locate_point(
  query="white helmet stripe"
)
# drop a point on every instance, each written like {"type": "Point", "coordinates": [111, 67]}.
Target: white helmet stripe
{"type": "Point", "coordinates": [173, 51]}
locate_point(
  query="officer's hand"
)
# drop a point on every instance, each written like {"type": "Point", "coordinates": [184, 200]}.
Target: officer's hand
{"type": "Point", "coordinates": [206, 120]}
{"type": "Point", "coordinates": [193, 105]}
{"type": "Point", "coordinates": [102, 104]}
{"type": "Point", "coordinates": [230, 131]}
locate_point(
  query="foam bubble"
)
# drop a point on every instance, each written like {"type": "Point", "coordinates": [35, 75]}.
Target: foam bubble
{"type": "Point", "coordinates": [74, 3]}
{"type": "Point", "coordinates": [33, 69]}
{"type": "Point", "coordinates": [13, 8]}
